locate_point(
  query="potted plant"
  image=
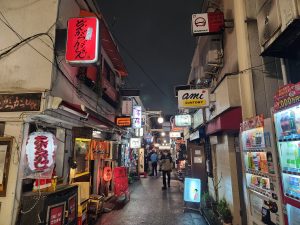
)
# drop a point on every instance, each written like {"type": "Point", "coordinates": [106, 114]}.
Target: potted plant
{"type": "Point", "coordinates": [224, 212]}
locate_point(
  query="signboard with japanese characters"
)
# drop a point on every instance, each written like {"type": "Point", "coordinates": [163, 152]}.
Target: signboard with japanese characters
{"type": "Point", "coordinates": [196, 98]}
{"type": "Point", "coordinates": [126, 107]}
{"type": "Point", "coordinates": [40, 153]}
{"type": "Point", "coordinates": [135, 142]}
{"type": "Point", "coordinates": [137, 117]}
{"type": "Point", "coordinates": [82, 40]}
{"type": "Point", "coordinates": [207, 23]}
{"type": "Point", "coordinates": [20, 102]}
{"type": "Point", "coordinates": [183, 120]}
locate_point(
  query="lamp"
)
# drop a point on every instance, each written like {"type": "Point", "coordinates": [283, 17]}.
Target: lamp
{"type": "Point", "coordinates": [160, 119]}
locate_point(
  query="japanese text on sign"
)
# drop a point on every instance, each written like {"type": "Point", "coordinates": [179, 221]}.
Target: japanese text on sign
{"type": "Point", "coordinates": [83, 38]}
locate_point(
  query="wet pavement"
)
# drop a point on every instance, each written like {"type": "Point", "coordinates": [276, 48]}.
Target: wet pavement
{"type": "Point", "coordinates": [149, 205]}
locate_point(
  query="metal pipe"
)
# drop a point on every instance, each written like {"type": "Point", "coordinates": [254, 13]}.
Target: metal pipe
{"type": "Point", "coordinates": [283, 70]}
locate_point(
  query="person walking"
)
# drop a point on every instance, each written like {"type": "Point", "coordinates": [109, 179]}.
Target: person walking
{"type": "Point", "coordinates": [154, 159]}
{"type": "Point", "coordinates": [166, 163]}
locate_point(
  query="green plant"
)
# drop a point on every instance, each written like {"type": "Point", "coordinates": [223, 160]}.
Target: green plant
{"type": "Point", "coordinates": [224, 211]}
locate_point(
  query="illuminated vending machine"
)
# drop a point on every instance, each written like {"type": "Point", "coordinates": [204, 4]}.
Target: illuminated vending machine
{"type": "Point", "coordinates": [261, 172]}
{"type": "Point", "coordinates": [287, 126]}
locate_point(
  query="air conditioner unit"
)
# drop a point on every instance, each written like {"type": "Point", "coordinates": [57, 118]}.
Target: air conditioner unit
{"type": "Point", "coordinates": [268, 21]}
{"type": "Point", "coordinates": [278, 25]}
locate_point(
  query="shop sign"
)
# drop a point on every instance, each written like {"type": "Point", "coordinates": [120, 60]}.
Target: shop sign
{"type": "Point", "coordinates": [174, 134]}
{"type": "Point", "coordinates": [207, 23]}
{"type": "Point", "coordinates": [107, 173]}
{"type": "Point", "coordinates": [135, 142]}
{"type": "Point", "coordinates": [82, 40]}
{"type": "Point", "coordinates": [123, 121]}
{"type": "Point", "coordinates": [196, 98]}
{"type": "Point", "coordinates": [192, 190]}
{"type": "Point", "coordinates": [137, 117]}
{"type": "Point", "coordinates": [126, 107]}
{"type": "Point", "coordinates": [20, 102]}
{"type": "Point", "coordinates": [40, 151]}
{"type": "Point", "coordinates": [198, 118]}
{"type": "Point", "coordinates": [183, 120]}
{"type": "Point", "coordinates": [287, 96]}
{"type": "Point", "coordinates": [56, 214]}
{"type": "Point", "coordinates": [139, 132]}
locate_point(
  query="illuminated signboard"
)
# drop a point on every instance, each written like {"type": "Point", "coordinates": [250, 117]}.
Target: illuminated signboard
{"type": "Point", "coordinates": [196, 98]}
{"type": "Point", "coordinates": [192, 190]}
{"type": "Point", "coordinates": [183, 120]}
{"type": "Point", "coordinates": [174, 134]}
{"type": "Point", "coordinates": [207, 23]}
{"type": "Point", "coordinates": [82, 40]}
{"type": "Point", "coordinates": [123, 121]}
{"type": "Point", "coordinates": [198, 118]}
{"type": "Point", "coordinates": [135, 142]}
{"type": "Point", "coordinates": [137, 117]}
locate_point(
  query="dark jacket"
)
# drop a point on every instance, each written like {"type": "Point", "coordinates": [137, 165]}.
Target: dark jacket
{"type": "Point", "coordinates": [166, 162]}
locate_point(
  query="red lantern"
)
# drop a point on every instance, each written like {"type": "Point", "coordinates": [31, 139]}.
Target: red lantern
{"type": "Point", "coordinates": [107, 174]}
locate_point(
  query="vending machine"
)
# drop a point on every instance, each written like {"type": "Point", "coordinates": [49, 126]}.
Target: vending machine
{"type": "Point", "coordinates": [287, 126]}
{"type": "Point", "coordinates": [261, 172]}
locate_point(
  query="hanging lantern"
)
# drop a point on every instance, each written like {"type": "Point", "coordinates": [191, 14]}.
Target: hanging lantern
{"type": "Point", "coordinates": [107, 174]}
{"type": "Point", "coordinates": [40, 151]}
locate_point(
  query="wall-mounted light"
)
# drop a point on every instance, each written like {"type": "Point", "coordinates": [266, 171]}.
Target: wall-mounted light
{"type": "Point", "coordinates": [160, 119]}
{"type": "Point", "coordinates": [163, 134]}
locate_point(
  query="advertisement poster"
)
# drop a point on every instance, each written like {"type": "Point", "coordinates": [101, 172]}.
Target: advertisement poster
{"type": "Point", "coordinates": [192, 190]}
{"type": "Point", "coordinates": [72, 208]}
{"type": "Point", "coordinates": [56, 214]}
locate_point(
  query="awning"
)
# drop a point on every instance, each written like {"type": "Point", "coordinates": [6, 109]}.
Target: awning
{"type": "Point", "coordinates": [108, 44]}
{"type": "Point", "coordinates": [87, 114]}
{"type": "Point", "coordinates": [227, 122]}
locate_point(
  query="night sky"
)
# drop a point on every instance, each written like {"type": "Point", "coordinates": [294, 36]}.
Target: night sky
{"type": "Point", "coordinates": [155, 41]}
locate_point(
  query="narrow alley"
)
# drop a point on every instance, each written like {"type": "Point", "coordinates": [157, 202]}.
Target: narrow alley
{"type": "Point", "coordinates": [150, 205]}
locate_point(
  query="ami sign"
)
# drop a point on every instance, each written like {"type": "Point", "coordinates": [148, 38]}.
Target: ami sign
{"type": "Point", "coordinates": [196, 98]}
{"type": "Point", "coordinates": [82, 40]}
{"type": "Point", "coordinates": [207, 23]}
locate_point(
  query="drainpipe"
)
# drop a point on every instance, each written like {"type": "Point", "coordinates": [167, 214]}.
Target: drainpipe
{"type": "Point", "coordinates": [283, 70]}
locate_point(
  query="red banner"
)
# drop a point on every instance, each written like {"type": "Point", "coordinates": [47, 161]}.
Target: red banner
{"type": "Point", "coordinates": [120, 181]}
{"type": "Point", "coordinates": [287, 96]}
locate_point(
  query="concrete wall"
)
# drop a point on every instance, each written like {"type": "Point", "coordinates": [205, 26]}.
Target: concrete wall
{"type": "Point", "coordinates": [226, 171]}
{"type": "Point", "coordinates": [29, 66]}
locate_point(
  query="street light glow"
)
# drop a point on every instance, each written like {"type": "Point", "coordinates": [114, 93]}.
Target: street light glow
{"type": "Point", "coordinates": [163, 134]}
{"type": "Point", "coordinates": [160, 120]}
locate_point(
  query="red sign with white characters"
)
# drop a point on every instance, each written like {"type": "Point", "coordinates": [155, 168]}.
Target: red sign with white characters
{"type": "Point", "coordinates": [40, 151]}
{"type": "Point", "coordinates": [56, 215]}
{"type": "Point", "coordinates": [206, 23]}
{"type": "Point", "coordinates": [82, 40]}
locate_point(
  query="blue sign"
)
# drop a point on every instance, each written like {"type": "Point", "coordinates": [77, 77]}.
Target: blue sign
{"type": "Point", "coordinates": [192, 190]}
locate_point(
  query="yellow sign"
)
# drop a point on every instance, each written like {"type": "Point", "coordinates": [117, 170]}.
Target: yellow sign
{"type": "Point", "coordinates": [196, 98]}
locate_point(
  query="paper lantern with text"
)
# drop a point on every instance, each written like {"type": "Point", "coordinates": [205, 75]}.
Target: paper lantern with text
{"type": "Point", "coordinates": [40, 153]}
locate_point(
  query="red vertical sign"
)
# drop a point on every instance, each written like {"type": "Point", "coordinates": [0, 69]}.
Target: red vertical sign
{"type": "Point", "coordinates": [82, 40]}
{"type": "Point", "coordinates": [56, 215]}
